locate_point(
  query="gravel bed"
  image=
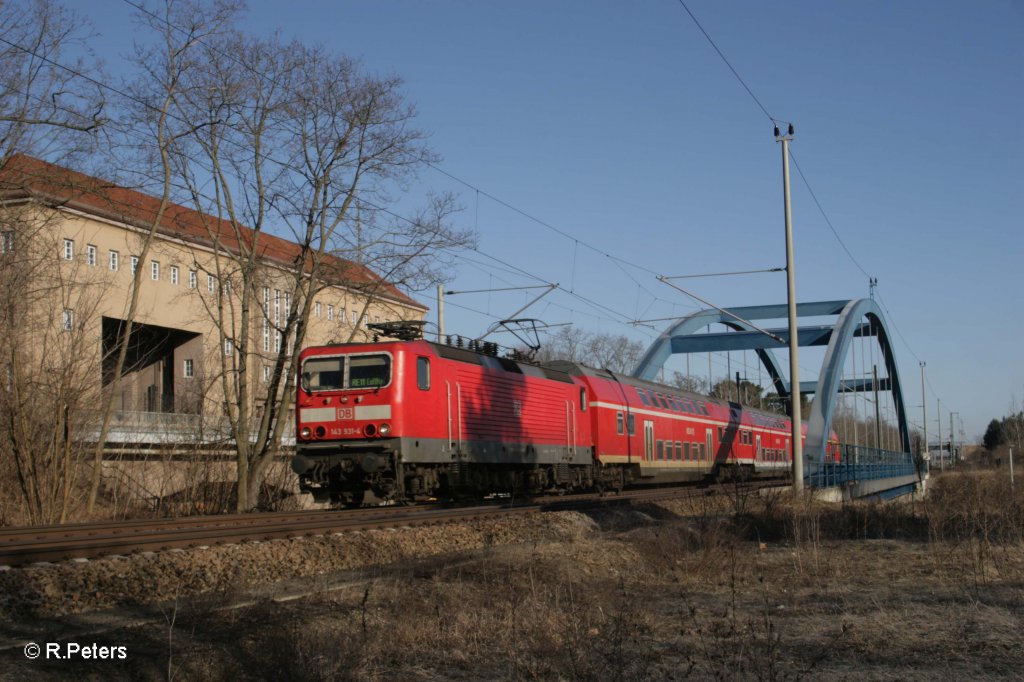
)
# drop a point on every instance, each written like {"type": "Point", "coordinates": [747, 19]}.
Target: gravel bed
{"type": "Point", "coordinates": [228, 570]}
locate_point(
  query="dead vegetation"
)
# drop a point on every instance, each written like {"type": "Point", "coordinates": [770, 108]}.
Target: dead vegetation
{"type": "Point", "coordinates": [784, 590]}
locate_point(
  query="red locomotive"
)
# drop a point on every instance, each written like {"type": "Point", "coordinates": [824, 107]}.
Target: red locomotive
{"type": "Point", "coordinates": [413, 419]}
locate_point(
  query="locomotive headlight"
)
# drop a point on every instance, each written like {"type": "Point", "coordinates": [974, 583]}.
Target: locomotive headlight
{"type": "Point", "coordinates": [305, 433]}
{"type": "Point", "coordinates": [385, 429]}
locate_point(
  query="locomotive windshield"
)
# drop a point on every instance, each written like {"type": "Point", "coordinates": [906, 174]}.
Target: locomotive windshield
{"type": "Point", "coordinates": [369, 371]}
{"type": "Point", "coordinates": [338, 373]}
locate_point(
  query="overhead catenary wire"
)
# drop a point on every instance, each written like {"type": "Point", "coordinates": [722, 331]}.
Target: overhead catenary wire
{"type": "Point", "coordinates": [267, 157]}
{"type": "Point", "coordinates": [800, 171]}
{"type": "Point", "coordinates": [616, 259]}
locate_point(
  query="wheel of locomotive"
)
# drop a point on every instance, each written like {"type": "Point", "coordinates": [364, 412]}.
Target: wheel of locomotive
{"type": "Point", "coordinates": [354, 500]}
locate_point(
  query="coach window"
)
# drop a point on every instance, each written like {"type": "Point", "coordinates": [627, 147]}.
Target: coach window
{"type": "Point", "coordinates": [661, 449]}
{"type": "Point", "coordinates": [423, 373]}
{"type": "Point", "coordinates": [686, 451]}
{"type": "Point", "coordinates": [583, 400]}
{"type": "Point", "coordinates": [618, 423]}
{"type": "Point", "coordinates": [643, 397]}
{"type": "Point", "coordinates": [631, 424]}
{"type": "Point", "coordinates": [679, 451]}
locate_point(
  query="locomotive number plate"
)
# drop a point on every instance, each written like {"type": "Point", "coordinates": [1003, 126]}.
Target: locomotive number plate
{"type": "Point", "coordinates": [346, 413]}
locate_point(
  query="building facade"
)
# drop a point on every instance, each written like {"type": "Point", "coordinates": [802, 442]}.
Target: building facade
{"type": "Point", "coordinates": [71, 245]}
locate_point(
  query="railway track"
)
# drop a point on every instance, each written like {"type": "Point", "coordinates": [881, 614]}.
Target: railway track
{"type": "Point", "coordinates": [35, 544]}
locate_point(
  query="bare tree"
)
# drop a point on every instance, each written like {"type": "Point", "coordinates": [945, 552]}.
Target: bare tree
{"type": "Point", "coordinates": [288, 138]}
{"type": "Point", "coordinates": [693, 384]}
{"type": "Point", "coordinates": [47, 317]}
{"type": "Point", "coordinates": [596, 349]}
{"type": "Point", "coordinates": [164, 72]}
{"type": "Point", "coordinates": [49, 105]}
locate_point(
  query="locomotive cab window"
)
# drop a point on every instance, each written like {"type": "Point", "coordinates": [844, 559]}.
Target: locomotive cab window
{"type": "Point", "coordinates": [423, 373]}
{"type": "Point", "coordinates": [346, 372]}
{"type": "Point", "coordinates": [583, 400]}
{"type": "Point", "coordinates": [323, 374]}
{"type": "Point", "coordinates": [369, 371]}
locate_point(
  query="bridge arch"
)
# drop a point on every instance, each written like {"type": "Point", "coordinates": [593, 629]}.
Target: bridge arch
{"type": "Point", "coordinates": [854, 318]}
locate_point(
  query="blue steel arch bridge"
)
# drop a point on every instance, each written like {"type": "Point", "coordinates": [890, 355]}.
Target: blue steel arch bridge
{"type": "Point", "coordinates": [857, 392]}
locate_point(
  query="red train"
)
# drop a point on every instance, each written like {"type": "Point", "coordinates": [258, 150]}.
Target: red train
{"type": "Point", "coordinates": [407, 420]}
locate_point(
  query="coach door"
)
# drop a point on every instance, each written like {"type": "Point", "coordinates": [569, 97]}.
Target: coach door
{"type": "Point", "coordinates": [648, 440]}
{"type": "Point", "coordinates": [759, 456]}
{"type": "Point", "coordinates": [709, 441]}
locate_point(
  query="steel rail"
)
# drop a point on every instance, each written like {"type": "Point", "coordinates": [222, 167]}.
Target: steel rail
{"type": "Point", "coordinates": [22, 546]}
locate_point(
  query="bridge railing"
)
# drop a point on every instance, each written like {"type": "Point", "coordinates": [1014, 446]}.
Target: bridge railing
{"type": "Point", "coordinates": [168, 428]}
{"type": "Point", "coordinates": [859, 463]}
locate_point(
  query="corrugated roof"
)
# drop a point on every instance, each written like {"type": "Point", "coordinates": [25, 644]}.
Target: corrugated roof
{"type": "Point", "coordinates": [30, 177]}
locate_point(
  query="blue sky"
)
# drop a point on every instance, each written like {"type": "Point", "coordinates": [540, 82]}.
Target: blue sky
{"type": "Point", "coordinates": [617, 123]}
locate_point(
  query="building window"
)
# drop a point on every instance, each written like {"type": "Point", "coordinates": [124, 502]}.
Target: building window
{"type": "Point", "coordinates": [209, 284]}
{"type": "Point", "coordinates": [69, 249]}
{"type": "Point", "coordinates": [189, 369]}
{"type": "Point", "coordinates": [266, 374]}
{"type": "Point", "coordinates": [266, 319]}
{"type": "Point", "coordinates": [135, 264]}
{"type": "Point", "coordinates": [277, 320]}
{"type": "Point", "coordinates": [193, 279]}
{"type": "Point", "coordinates": [229, 347]}
{"type": "Point", "coordinates": [316, 308]}
{"type": "Point", "coordinates": [90, 255]}
{"type": "Point", "coordinates": [355, 318]}
{"type": "Point", "coordinates": [68, 320]}
{"type": "Point", "coordinates": [330, 311]}
{"type": "Point", "coordinates": [114, 260]}
{"type": "Point", "coordinates": [174, 275]}
{"type": "Point", "coordinates": [154, 270]}
{"type": "Point", "coordinates": [7, 241]}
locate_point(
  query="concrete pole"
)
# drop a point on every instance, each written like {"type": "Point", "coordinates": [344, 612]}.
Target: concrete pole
{"type": "Point", "coordinates": [924, 410]}
{"type": "Point", "coordinates": [952, 436]}
{"type": "Point", "coordinates": [1011, 468]}
{"type": "Point", "coordinates": [440, 313]}
{"type": "Point", "coordinates": [941, 458]}
{"type": "Point", "coordinates": [794, 341]}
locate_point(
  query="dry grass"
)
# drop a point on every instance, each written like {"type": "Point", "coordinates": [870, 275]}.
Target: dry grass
{"type": "Point", "coordinates": [773, 589]}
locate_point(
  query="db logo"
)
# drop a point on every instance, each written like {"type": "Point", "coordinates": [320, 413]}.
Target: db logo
{"type": "Point", "coordinates": [346, 413]}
